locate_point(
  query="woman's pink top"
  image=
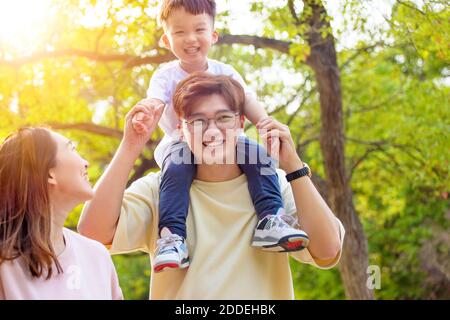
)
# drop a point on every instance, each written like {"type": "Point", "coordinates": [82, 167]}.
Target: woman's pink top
{"type": "Point", "coordinates": [88, 273]}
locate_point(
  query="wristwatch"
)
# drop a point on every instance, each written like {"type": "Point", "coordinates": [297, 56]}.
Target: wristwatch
{"type": "Point", "coordinates": [305, 171]}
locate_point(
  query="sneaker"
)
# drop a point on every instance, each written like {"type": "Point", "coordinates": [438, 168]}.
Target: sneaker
{"type": "Point", "coordinates": [278, 233]}
{"type": "Point", "coordinates": [171, 252]}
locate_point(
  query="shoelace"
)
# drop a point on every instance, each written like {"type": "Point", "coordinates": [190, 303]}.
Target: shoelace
{"type": "Point", "coordinates": [169, 241]}
{"type": "Point", "coordinates": [284, 221]}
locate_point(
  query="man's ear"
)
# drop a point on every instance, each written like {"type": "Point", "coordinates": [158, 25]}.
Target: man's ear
{"type": "Point", "coordinates": [51, 178]}
{"type": "Point", "coordinates": [164, 42]}
{"type": "Point", "coordinates": [215, 37]}
{"type": "Point", "coordinates": [241, 121]}
{"type": "Point", "coordinates": [180, 132]}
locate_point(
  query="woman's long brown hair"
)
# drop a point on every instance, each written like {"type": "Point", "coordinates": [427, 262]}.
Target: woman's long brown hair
{"type": "Point", "coordinates": [26, 157]}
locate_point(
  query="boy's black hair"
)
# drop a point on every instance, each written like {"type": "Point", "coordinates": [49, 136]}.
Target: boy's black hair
{"type": "Point", "coordinates": [192, 6]}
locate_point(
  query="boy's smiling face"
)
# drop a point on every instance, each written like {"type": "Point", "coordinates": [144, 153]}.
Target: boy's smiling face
{"type": "Point", "coordinates": [189, 37]}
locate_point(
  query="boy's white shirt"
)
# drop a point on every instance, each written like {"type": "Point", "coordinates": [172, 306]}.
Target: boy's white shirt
{"type": "Point", "coordinates": [162, 86]}
{"type": "Point", "coordinates": [220, 226]}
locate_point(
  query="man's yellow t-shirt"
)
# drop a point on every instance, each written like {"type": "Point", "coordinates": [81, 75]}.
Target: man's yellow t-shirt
{"type": "Point", "coordinates": [220, 226]}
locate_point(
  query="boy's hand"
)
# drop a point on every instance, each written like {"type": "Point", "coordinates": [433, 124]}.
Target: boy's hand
{"type": "Point", "coordinates": [272, 142]}
{"type": "Point", "coordinates": [149, 104]}
{"type": "Point", "coordinates": [278, 140]}
{"type": "Point", "coordinates": [140, 122]}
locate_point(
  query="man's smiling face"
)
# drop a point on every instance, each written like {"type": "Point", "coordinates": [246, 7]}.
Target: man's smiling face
{"type": "Point", "coordinates": [211, 129]}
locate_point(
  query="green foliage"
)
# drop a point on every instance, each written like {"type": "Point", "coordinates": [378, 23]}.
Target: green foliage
{"type": "Point", "coordinates": [315, 284]}
{"type": "Point", "coordinates": [134, 275]}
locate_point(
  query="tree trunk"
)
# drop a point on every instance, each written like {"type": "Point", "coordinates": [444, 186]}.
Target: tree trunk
{"type": "Point", "coordinates": [323, 61]}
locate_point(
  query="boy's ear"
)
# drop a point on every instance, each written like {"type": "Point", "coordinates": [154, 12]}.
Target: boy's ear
{"type": "Point", "coordinates": [164, 42]}
{"type": "Point", "coordinates": [215, 37]}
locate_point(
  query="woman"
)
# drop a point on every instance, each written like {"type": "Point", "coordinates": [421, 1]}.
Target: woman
{"type": "Point", "coordinates": [42, 178]}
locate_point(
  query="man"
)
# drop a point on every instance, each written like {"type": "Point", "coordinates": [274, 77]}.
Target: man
{"type": "Point", "coordinates": [221, 219]}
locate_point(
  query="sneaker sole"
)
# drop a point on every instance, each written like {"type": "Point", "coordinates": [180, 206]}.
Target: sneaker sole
{"type": "Point", "coordinates": [285, 244]}
{"type": "Point", "coordinates": [171, 265]}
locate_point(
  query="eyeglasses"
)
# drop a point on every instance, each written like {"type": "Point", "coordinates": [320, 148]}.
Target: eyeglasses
{"type": "Point", "coordinates": [222, 120]}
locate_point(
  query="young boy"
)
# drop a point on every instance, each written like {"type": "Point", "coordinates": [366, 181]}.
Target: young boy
{"type": "Point", "coordinates": [189, 33]}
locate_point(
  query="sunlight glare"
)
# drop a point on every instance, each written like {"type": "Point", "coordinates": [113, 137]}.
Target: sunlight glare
{"type": "Point", "coordinates": [22, 22]}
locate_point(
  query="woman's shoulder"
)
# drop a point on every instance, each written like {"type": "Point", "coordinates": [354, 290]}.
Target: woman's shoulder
{"type": "Point", "coordinates": [86, 244]}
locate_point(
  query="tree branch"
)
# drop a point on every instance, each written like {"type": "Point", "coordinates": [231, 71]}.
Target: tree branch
{"type": "Point", "coordinates": [258, 42]}
{"type": "Point", "coordinates": [294, 15]}
{"type": "Point", "coordinates": [96, 129]}
{"type": "Point", "coordinates": [302, 103]}
{"type": "Point", "coordinates": [131, 61]}
{"type": "Point", "coordinates": [361, 159]}
{"type": "Point", "coordinates": [411, 6]}
{"type": "Point", "coordinates": [102, 33]}
{"type": "Point", "coordinates": [361, 50]}
{"type": "Point", "coordinates": [88, 127]}
{"type": "Point", "coordinates": [140, 170]}
{"type": "Point", "coordinates": [379, 146]}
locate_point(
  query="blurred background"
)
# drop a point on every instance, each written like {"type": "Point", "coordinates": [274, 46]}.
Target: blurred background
{"type": "Point", "coordinates": [363, 85]}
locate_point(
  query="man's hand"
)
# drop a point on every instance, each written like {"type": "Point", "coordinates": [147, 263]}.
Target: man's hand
{"type": "Point", "coordinates": [278, 141]}
{"type": "Point", "coordinates": [140, 122]}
